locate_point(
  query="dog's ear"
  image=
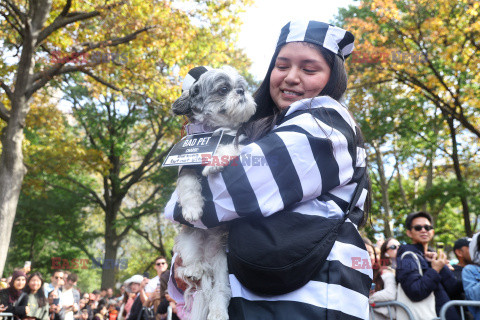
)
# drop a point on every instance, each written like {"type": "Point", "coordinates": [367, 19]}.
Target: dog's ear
{"type": "Point", "coordinates": [182, 105]}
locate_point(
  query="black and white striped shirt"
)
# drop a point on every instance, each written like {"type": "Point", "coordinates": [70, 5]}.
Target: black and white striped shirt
{"type": "Point", "coordinates": [309, 164]}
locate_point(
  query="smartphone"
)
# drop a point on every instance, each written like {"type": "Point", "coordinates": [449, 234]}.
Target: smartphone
{"type": "Point", "coordinates": [440, 247]}
{"type": "Point", "coordinates": [372, 288]}
{"type": "Point", "coordinates": [28, 264]}
{"type": "Point", "coordinates": [146, 275]}
{"type": "Point", "coordinates": [56, 301]}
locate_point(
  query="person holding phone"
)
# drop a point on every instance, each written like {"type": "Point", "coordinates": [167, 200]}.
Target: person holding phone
{"type": "Point", "coordinates": [157, 286]}
{"type": "Point", "coordinates": [437, 276]}
{"type": "Point", "coordinates": [55, 308]}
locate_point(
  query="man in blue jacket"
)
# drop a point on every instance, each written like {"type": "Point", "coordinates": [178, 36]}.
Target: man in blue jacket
{"type": "Point", "coordinates": [437, 277]}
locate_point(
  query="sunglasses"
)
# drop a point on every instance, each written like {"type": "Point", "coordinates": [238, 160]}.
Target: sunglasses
{"type": "Point", "coordinates": [393, 247]}
{"type": "Point", "coordinates": [426, 227]}
{"type": "Point", "coordinates": [160, 263]}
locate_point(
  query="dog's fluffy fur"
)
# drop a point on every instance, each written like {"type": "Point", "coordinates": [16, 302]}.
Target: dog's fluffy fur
{"type": "Point", "coordinates": [219, 100]}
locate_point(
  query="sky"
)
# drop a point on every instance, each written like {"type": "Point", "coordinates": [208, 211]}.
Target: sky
{"type": "Point", "coordinates": [263, 21]}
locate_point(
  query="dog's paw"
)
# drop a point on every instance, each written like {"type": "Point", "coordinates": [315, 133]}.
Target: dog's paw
{"type": "Point", "coordinates": [208, 170]}
{"type": "Point", "coordinates": [217, 313]}
{"type": "Point", "coordinates": [192, 214]}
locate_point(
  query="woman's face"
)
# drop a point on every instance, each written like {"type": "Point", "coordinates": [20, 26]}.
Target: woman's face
{"type": "Point", "coordinates": [392, 248]}
{"type": "Point", "coordinates": [35, 284]}
{"type": "Point", "coordinates": [19, 283]}
{"type": "Point", "coordinates": [52, 296]}
{"type": "Point", "coordinates": [300, 72]}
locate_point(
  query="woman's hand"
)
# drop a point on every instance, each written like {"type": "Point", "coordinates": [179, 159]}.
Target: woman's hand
{"type": "Point", "coordinates": [2, 308]}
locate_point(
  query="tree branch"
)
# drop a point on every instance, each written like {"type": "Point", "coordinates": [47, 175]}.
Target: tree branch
{"type": "Point", "coordinates": [116, 41]}
{"type": "Point", "coordinates": [102, 81]}
{"type": "Point", "coordinates": [15, 9]}
{"type": "Point", "coordinates": [42, 78]}
{"type": "Point", "coordinates": [90, 191]}
{"type": "Point", "coordinates": [66, 8]}
{"type": "Point", "coordinates": [62, 21]}
{"type": "Point", "coordinates": [7, 90]}
{"type": "Point", "coordinates": [4, 113]}
{"type": "Point", "coordinates": [146, 236]}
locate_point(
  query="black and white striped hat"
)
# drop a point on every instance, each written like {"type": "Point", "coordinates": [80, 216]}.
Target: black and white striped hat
{"type": "Point", "coordinates": [335, 39]}
{"type": "Point", "coordinates": [192, 76]}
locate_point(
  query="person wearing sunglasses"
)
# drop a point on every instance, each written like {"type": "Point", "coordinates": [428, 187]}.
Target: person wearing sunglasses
{"type": "Point", "coordinates": [384, 286]}
{"type": "Point", "coordinates": [56, 283]}
{"type": "Point", "coordinates": [436, 278]}
{"type": "Point", "coordinates": [388, 253]}
{"type": "Point", "coordinates": [157, 286]}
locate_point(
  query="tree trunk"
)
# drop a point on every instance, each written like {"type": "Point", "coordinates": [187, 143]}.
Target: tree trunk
{"type": "Point", "coordinates": [12, 169]}
{"type": "Point", "coordinates": [458, 173]}
{"type": "Point", "coordinates": [12, 172]}
{"type": "Point", "coordinates": [110, 260]}
{"type": "Point", "coordinates": [384, 190]}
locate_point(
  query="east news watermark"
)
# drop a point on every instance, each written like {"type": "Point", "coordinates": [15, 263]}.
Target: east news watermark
{"type": "Point", "coordinates": [105, 264]}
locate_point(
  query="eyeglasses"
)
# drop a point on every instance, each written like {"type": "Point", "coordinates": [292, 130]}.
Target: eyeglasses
{"type": "Point", "coordinates": [426, 227]}
{"type": "Point", "coordinates": [393, 247]}
{"type": "Point", "coordinates": [160, 263]}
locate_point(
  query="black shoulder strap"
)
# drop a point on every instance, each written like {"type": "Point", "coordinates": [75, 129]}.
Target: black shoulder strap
{"type": "Point", "coordinates": [357, 193]}
{"type": "Point", "coordinates": [23, 295]}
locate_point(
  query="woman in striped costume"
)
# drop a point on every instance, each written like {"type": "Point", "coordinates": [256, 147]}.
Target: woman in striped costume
{"type": "Point", "coordinates": [309, 158]}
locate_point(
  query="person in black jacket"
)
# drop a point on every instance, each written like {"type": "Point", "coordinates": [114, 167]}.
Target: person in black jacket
{"type": "Point", "coordinates": [437, 277]}
{"type": "Point", "coordinates": [10, 295]}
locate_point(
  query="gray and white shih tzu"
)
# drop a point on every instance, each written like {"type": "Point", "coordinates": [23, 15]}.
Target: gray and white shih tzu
{"type": "Point", "coordinates": [218, 100]}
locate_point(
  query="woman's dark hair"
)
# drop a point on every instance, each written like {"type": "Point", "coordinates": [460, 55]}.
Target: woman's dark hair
{"type": "Point", "coordinates": [39, 295]}
{"type": "Point", "coordinates": [383, 250]}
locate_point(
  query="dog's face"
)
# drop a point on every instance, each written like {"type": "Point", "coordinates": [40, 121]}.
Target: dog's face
{"type": "Point", "coordinates": [218, 99]}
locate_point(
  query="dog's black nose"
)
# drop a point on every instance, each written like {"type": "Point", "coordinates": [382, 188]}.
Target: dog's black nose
{"type": "Point", "coordinates": [240, 91]}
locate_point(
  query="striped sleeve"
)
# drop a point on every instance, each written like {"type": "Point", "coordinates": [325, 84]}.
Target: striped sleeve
{"type": "Point", "coordinates": [311, 152]}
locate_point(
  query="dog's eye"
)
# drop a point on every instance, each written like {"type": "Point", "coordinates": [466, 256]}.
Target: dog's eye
{"type": "Point", "coordinates": [195, 90]}
{"type": "Point", "coordinates": [224, 90]}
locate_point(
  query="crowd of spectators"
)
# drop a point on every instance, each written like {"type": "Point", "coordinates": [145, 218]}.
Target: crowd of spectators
{"type": "Point", "coordinates": [421, 277]}
{"type": "Point", "coordinates": [26, 295]}
{"type": "Point", "coordinates": [415, 267]}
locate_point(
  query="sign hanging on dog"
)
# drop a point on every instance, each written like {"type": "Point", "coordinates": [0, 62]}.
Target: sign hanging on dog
{"type": "Point", "coordinates": [191, 149]}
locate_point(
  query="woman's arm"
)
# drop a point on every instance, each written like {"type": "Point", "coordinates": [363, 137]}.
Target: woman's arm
{"type": "Point", "coordinates": [389, 291]}
{"type": "Point", "coordinates": [310, 153]}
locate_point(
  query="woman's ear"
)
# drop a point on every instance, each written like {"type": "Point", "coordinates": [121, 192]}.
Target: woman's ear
{"type": "Point", "coordinates": [387, 255]}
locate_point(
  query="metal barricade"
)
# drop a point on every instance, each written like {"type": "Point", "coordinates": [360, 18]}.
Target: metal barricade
{"type": "Point", "coordinates": [6, 316]}
{"type": "Point", "coordinates": [461, 304]}
{"type": "Point", "coordinates": [390, 305]}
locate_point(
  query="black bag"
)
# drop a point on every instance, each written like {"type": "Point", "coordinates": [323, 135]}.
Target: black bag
{"type": "Point", "coordinates": [266, 260]}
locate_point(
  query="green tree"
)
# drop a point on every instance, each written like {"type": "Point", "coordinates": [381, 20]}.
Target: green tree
{"type": "Point", "coordinates": [131, 46]}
